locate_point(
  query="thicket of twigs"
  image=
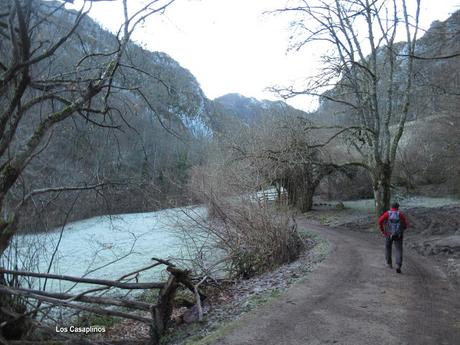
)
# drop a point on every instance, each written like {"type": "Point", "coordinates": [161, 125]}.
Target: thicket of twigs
{"type": "Point", "coordinates": [247, 228]}
{"type": "Point", "coordinates": [255, 238]}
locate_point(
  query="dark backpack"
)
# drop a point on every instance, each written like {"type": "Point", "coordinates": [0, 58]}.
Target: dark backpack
{"type": "Point", "coordinates": [394, 224]}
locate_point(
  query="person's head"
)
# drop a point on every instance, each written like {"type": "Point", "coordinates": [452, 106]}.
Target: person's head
{"type": "Point", "coordinates": [395, 205]}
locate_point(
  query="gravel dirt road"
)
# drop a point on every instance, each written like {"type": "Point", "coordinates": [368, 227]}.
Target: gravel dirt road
{"type": "Point", "coordinates": [352, 298]}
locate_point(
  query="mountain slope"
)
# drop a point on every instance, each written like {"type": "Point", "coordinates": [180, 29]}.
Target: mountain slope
{"type": "Point", "coordinates": [249, 110]}
{"type": "Point", "coordinates": [142, 147]}
{"type": "Point", "coordinates": [427, 158]}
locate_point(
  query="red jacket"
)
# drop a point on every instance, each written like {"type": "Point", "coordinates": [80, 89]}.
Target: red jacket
{"type": "Point", "coordinates": [384, 219]}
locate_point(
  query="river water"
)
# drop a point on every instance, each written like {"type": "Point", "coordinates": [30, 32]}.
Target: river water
{"type": "Point", "coordinates": [87, 247]}
{"type": "Point", "coordinates": [108, 247]}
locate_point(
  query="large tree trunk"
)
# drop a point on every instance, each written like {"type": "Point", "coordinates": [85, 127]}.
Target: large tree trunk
{"type": "Point", "coordinates": [382, 188]}
{"type": "Point", "coordinates": [300, 192]}
{"type": "Point", "coordinates": [304, 201]}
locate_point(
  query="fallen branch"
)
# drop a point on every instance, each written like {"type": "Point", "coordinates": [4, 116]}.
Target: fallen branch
{"type": "Point", "coordinates": [55, 301]}
{"type": "Point", "coordinates": [120, 285]}
{"type": "Point", "coordinates": [90, 299]}
{"type": "Point", "coordinates": [139, 271]}
{"type": "Point", "coordinates": [183, 278]}
{"type": "Point", "coordinates": [119, 279]}
{"type": "Point", "coordinates": [164, 262]}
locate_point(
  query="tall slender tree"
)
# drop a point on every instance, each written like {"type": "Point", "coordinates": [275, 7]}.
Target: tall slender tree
{"type": "Point", "coordinates": [369, 75]}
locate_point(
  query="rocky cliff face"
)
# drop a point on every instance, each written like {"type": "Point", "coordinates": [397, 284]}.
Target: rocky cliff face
{"type": "Point", "coordinates": [437, 76]}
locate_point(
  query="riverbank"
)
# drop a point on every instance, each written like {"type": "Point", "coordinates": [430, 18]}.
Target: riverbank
{"type": "Point", "coordinates": [227, 303]}
{"type": "Point", "coordinates": [435, 226]}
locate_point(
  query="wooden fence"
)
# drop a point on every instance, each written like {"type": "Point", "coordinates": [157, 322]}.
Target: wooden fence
{"type": "Point", "coordinates": [158, 314]}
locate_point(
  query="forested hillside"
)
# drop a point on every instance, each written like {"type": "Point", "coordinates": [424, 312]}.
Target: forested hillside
{"type": "Point", "coordinates": [161, 123]}
{"type": "Point", "coordinates": [426, 161]}
{"type": "Point", "coordinates": [151, 134]}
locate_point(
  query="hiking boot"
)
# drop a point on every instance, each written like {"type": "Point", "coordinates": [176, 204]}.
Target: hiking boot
{"type": "Point", "coordinates": [398, 270]}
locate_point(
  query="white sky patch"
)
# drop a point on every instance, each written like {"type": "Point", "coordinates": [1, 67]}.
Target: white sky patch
{"type": "Point", "coordinates": [232, 46]}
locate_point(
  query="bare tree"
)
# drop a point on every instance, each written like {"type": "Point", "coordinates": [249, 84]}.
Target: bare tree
{"type": "Point", "coordinates": [37, 93]}
{"type": "Point", "coordinates": [366, 77]}
{"type": "Point", "coordinates": [286, 152]}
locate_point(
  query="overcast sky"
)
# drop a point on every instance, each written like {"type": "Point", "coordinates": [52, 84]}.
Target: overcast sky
{"type": "Point", "coordinates": [232, 46]}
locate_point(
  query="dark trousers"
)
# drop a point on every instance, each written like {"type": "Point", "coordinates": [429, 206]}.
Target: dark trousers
{"type": "Point", "coordinates": [398, 250]}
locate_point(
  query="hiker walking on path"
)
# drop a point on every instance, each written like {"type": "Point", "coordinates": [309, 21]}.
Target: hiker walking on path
{"type": "Point", "coordinates": [392, 224]}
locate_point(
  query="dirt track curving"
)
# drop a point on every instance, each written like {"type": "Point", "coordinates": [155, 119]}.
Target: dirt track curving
{"type": "Point", "coordinates": [352, 299]}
